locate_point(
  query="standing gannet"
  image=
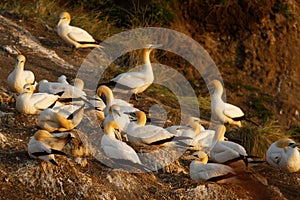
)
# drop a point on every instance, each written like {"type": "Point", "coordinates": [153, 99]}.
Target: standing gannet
{"type": "Point", "coordinates": [200, 170]}
{"type": "Point", "coordinates": [224, 112]}
{"type": "Point", "coordinates": [137, 82]}
{"type": "Point", "coordinates": [224, 151]}
{"type": "Point", "coordinates": [61, 118]}
{"type": "Point", "coordinates": [72, 35]}
{"type": "Point", "coordinates": [117, 149]}
{"type": "Point", "coordinates": [33, 103]}
{"type": "Point", "coordinates": [44, 145]}
{"type": "Point", "coordinates": [284, 153]}
{"type": "Point", "coordinates": [140, 133]}
{"type": "Point", "coordinates": [19, 77]}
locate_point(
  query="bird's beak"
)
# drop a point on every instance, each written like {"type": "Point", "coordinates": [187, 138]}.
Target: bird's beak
{"type": "Point", "coordinates": [295, 145]}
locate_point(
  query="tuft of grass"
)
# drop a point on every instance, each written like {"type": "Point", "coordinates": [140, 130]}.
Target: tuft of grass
{"type": "Point", "coordinates": [257, 140]}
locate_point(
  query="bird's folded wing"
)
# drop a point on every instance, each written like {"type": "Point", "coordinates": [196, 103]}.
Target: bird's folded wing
{"type": "Point", "coordinates": [233, 111]}
{"type": "Point", "coordinates": [80, 35]}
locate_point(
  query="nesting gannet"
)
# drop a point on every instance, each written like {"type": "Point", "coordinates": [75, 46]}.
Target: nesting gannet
{"type": "Point", "coordinates": [33, 103]}
{"type": "Point", "coordinates": [200, 137]}
{"type": "Point", "coordinates": [61, 118]}
{"type": "Point", "coordinates": [19, 77]}
{"type": "Point", "coordinates": [44, 145]}
{"type": "Point", "coordinates": [115, 114]}
{"type": "Point", "coordinates": [284, 153]}
{"type": "Point", "coordinates": [66, 90]}
{"type": "Point", "coordinates": [224, 112]}
{"type": "Point", "coordinates": [114, 148]}
{"type": "Point", "coordinates": [200, 170]}
{"type": "Point", "coordinates": [140, 133]}
{"type": "Point", "coordinates": [137, 82]}
{"type": "Point", "coordinates": [224, 151]}
{"type": "Point", "coordinates": [72, 35]}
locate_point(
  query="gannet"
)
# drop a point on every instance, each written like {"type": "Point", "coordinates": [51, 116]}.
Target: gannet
{"type": "Point", "coordinates": [117, 149]}
{"type": "Point", "coordinates": [224, 151]}
{"type": "Point", "coordinates": [200, 137]}
{"type": "Point", "coordinates": [200, 170]}
{"type": "Point", "coordinates": [61, 118]}
{"type": "Point", "coordinates": [72, 35]}
{"type": "Point", "coordinates": [19, 77]}
{"type": "Point", "coordinates": [110, 100]}
{"type": "Point", "coordinates": [140, 133]}
{"type": "Point", "coordinates": [284, 154]}
{"type": "Point", "coordinates": [44, 145]}
{"type": "Point", "coordinates": [137, 82]}
{"type": "Point", "coordinates": [115, 114]}
{"type": "Point", "coordinates": [33, 103]}
{"type": "Point", "coordinates": [66, 91]}
{"type": "Point", "coordinates": [224, 112]}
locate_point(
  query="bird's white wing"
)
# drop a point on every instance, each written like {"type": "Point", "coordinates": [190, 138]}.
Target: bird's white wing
{"type": "Point", "coordinates": [80, 35]}
{"type": "Point", "coordinates": [215, 170]}
{"type": "Point", "coordinates": [43, 100]}
{"type": "Point", "coordinates": [234, 146]}
{"type": "Point", "coordinates": [149, 134]}
{"type": "Point", "coordinates": [36, 146]}
{"type": "Point", "coordinates": [131, 79]}
{"type": "Point", "coordinates": [233, 111]}
{"type": "Point", "coordinates": [119, 150]}
{"type": "Point", "coordinates": [28, 76]}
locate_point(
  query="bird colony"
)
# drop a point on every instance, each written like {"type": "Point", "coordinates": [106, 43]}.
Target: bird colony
{"type": "Point", "coordinates": [125, 126]}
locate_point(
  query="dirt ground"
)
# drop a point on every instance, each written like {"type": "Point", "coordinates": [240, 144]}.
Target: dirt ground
{"type": "Point", "coordinates": [23, 177]}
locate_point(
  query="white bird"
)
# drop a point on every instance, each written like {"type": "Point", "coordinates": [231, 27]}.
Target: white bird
{"type": "Point", "coordinates": [72, 35]}
{"type": "Point", "coordinates": [117, 149]}
{"type": "Point", "coordinates": [140, 133]}
{"type": "Point", "coordinates": [284, 154]}
{"type": "Point", "coordinates": [115, 114]}
{"type": "Point", "coordinates": [61, 118]}
{"type": "Point", "coordinates": [19, 77]}
{"type": "Point", "coordinates": [110, 100]}
{"type": "Point", "coordinates": [224, 151]}
{"type": "Point", "coordinates": [224, 112]}
{"type": "Point", "coordinates": [65, 90]}
{"type": "Point", "coordinates": [200, 138]}
{"type": "Point", "coordinates": [33, 103]}
{"type": "Point", "coordinates": [137, 82]}
{"type": "Point", "coordinates": [44, 145]}
{"type": "Point", "coordinates": [200, 170]}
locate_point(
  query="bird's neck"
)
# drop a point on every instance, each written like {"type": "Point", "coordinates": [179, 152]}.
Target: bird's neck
{"type": "Point", "coordinates": [109, 131]}
{"type": "Point", "coordinates": [63, 23]}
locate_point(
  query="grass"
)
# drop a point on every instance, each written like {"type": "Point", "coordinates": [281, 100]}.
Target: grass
{"type": "Point", "coordinates": [257, 140]}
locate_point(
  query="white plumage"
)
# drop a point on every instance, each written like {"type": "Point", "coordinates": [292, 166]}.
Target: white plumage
{"type": "Point", "coordinates": [44, 145]}
{"type": "Point", "coordinates": [115, 114]}
{"type": "Point", "coordinates": [224, 112]}
{"type": "Point", "coordinates": [200, 170]}
{"type": "Point", "coordinates": [19, 77]}
{"type": "Point", "coordinates": [284, 154]}
{"type": "Point", "coordinates": [114, 148]}
{"type": "Point", "coordinates": [61, 118]}
{"type": "Point", "coordinates": [224, 151]}
{"type": "Point", "coordinates": [33, 103]}
{"type": "Point", "coordinates": [139, 133]}
{"type": "Point", "coordinates": [137, 82]}
{"type": "Point", "coordinates": [72, 35]}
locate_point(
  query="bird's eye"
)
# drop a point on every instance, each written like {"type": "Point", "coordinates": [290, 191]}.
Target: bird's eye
{"type": "Point", "coordinates": [291, 143]}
